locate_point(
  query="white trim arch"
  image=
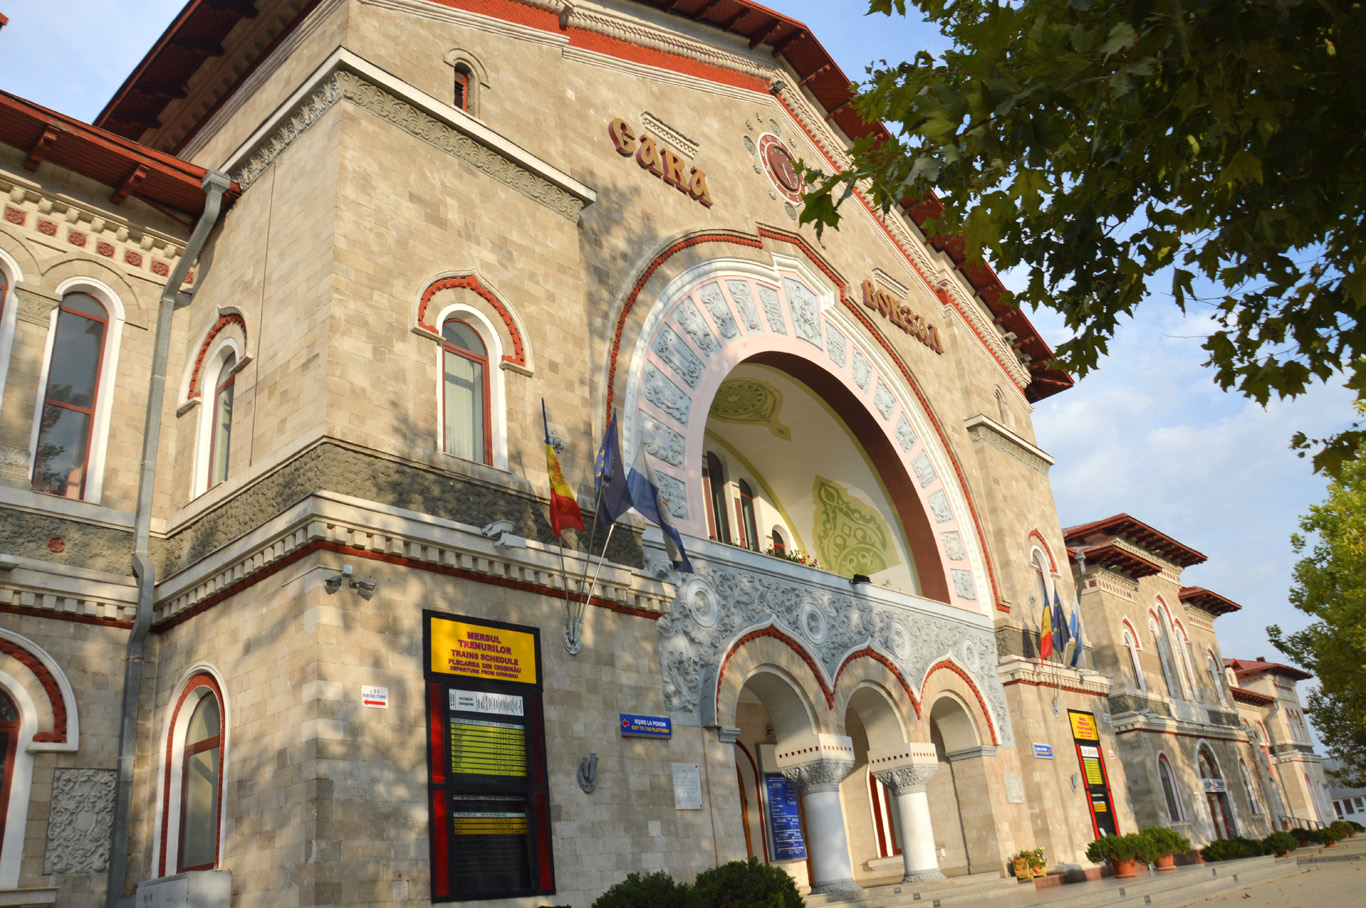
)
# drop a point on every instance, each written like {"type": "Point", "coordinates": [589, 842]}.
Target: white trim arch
{"type": "Point", "coordinates": [497, 415]}
{"type": "Point", "coordinates": [1181, 812]}
{"type": "Point", "coordinates": [1234, 824]}
{"type": "Point", "coordinates": [21, 782]}
{"type": "Point", "coordinates": [9, 309]}
{"type": "Point", "coordinates": [170, 758]}
{"type": "Point", "coordinates": [703, 324]}
{"type": "Point", "coordinates": [106, 380]}
{"type": "Point", "coordinates": [68, 694]}
{"type": "Point", "coordinates": [212, 375]}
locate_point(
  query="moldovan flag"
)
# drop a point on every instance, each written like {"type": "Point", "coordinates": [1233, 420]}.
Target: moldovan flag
{"type": "Point", "coordinates": [564, 510]}
{"type": "Point", "coordinates": [1046, 635]}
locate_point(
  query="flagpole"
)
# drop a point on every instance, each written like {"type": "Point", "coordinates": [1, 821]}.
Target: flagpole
{"type": "Point", "coordinates": [573, 628]}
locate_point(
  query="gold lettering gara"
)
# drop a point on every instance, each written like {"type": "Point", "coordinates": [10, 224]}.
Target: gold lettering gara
{"type": "Point", "coordinates": [660, 160]}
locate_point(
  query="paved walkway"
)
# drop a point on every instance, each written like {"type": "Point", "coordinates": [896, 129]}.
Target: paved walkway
{"type": "Point", "coordinates": [1327, 878]}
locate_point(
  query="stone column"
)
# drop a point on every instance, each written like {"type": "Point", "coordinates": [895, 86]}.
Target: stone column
{"type": "Point", "coordinates": [907, 784]}
{"type": "Point", "coordinates": [818, 781]}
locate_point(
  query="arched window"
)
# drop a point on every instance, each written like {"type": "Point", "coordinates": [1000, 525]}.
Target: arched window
{"type": "Point", "coordinates": [747, 516]}
{"type": "Point", "coordinates": [1164, 655]}
{"type": "Point", "coordinates": [461, 94]}
{"type": "Point", "coordinates": [1131, 647]}
{"type": "Point", "coordinates": [1175, 812]}
{"type": "Point", "coordinates": [192, 820]}
{"type": "Point", "coordinates": [465, 364]}
{"type": "Point", "coordinates": [714, 478]}
{"type": "Point", "coordinates": [221, 430]}
{"type": "Point", "coordinates": [1252, 798]}
{"type": "Point", "coordinates": [1216, 678]}
{"type": "Point", "coordinates": [779, 546]}
{"type": "Point", "coordinates": [66, 422]}
{"type": "Point", "coordinates": [8, 305]}
{"type": "Point", "coordinates": [9, 740]}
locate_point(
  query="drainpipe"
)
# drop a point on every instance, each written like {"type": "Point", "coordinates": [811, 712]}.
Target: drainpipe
{"type": "Point", "coordinates": [215, 184]}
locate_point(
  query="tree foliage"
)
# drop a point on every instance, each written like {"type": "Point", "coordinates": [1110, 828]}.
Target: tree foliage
{"type": "Point", "coordinates": [1120, 149]}
{"type": "Point", "coordinates": [1330, 586]}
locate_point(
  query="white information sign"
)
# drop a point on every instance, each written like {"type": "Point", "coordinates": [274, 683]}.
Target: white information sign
{"type": "Point", "coordinates": [374, 697]}
{"type": "Point", "coordinates": [1014, 788]}
{"type": "Point", "coordinates": [687, 787]}
{"type": "Point", "coordinates": [477, 701]}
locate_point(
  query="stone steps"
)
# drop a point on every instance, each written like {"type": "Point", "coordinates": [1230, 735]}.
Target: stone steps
{"type": "Point", "coordinates": [982, 887]}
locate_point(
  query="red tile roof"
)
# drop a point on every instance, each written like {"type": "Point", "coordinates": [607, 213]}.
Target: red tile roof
{"type": "Point", "coordinates": [1250, 667]}
{"type": "Point", "coordinates": [125, 166]}
{"type": "Point", "coordinates": [1138, 533]}
{"type": "Point", "coordinates": [1209, 601]}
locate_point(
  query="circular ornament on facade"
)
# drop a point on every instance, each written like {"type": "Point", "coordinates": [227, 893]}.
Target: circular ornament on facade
{"type": "Point", "coordinates": [781, 166]}
{"type": "Point", "coordinates": [749, 145]}
{"type": "Point", "coordinates": [971, 658]}
{"type": "Point", "coordinates": [901, 641]}
{"type": "Point", "coordinates": [774, 127]}
{"type": "Point", "coordinates": [814, 625]}
{"type": "Point", "coordinates": [701, 603]}
{"type": "Point", "coordinates": [790, 209]}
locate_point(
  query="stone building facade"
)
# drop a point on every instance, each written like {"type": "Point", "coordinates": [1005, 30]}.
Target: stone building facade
{"type": "Point", "coordinates": [364, 678]}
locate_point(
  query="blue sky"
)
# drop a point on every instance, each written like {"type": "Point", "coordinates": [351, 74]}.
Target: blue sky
{"type": "Point", "coordinates": [1148, 433]}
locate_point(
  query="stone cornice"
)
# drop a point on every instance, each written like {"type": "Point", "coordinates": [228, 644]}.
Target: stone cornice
{"type": "Point", "coordinates": [340, 521]}
{"type": "Point", "coordinates": [984, 429]}
{"type": "Point", "coordinates": [1017, 670]}
{"type": "Point", "coordinates": [345, 76]}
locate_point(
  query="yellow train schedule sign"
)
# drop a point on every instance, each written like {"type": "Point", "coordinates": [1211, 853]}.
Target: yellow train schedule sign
{"type": "Point", "coordinates": [482, 651]}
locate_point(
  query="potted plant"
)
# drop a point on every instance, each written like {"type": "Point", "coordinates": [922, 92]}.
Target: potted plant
{"type": "Point", "coordinates": [1029, 863]}
{"type": "Point", "coordinates": [1280, 843]}
{"type": "Point", "coordinates": [1168, 843]}
{"type": "Point", "coordinates": [1123, 852]}
{"type": "Point", "coordinates": [1304, 836]}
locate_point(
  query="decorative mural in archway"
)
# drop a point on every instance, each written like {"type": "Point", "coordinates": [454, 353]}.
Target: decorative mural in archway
{"type": "Point", "coordinates": [733, 346]}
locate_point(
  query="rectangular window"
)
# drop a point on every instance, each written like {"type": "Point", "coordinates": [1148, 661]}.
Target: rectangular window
{"type": "Point", "coordinates": [489, 797]}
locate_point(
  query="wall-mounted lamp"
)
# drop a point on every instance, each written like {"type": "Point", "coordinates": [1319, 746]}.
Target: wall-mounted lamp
{"type": "Point", "coordinates": [859, 578]}
{"type": "Point", "coordinates": [500, 531]}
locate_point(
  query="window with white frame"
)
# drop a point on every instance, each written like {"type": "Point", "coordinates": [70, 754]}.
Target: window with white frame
{"type": "Point", "coordinates": [1251, 790]}
{"type": "Point", "coordinates": [8, 306]}
{"type": "Point", "coordinates": [192, 815]}
{"type": "Point", "coordinates": [218, 394]}
{"type": "Point", "coordinates": [72, 417]}
{"type": "Point", "coordinates": [1216, 678]}
{"type": "Point", "coordinates": [1131, 647]}
{"type": "Point", "coordinates": [1175, 811]}
{"type": "Point", "coordinates": [1164, 656]}
{"type": "Point", "coordinates": [9, 746]}
{"type": "Point", "coordinates": [714, 483]}
{"type": "Point", "coordinates": [465, 391]}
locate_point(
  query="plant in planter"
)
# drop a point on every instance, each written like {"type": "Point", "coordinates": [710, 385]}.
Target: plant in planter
{"type": "Point", "coordinates": [1168, 843]}
{"type": "Point", "coordinates": [1304, 836]}
{"type": "Point", "coordinates": [1328, 836]}
{"type": "Point", "coordinates": [1123, 852]}
{"type": "Point", "coordinates": [1342, 829]}
{"type": "Point", "coordinates": [1029, 863]}
{"type": "Point", "coordinates": [1280, 843]}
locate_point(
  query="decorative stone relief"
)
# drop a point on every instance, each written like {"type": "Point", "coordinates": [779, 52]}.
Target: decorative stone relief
{"type": "Point", "coordinates": [79, 821]}
{"type": "Point", "coordinates": [851, 537]}
{"type": "Point", "coordinates": [773, 310]}
{"type": "Point", "coordinates": [744, 301]}
{"type": "Point", "coordinates": [907, 779]}
{"type": "Point", "coordinates": [1008, 446]}
{"type": "Point", "coordinates": [806, 310]}
{"type": "Point", "coordinates": [750, 148]}
{"type": "Point", "coordinates": [963, 585]}
{"type": "Point", "coordinates": [953, 546]}
{"type": "Point", "coordinates": [417, 123]}
{"type": "Point", "coordinates": [924, 470]}
{"type": "Point", "coordinates": [661, 441]}
{"type": "Point", "coordinates": [671, 348]}
{"type": "Point", "coordinates": [905, 434]}
{"type": "Point", "coordinates": [749, 401]}
{"type": "Point", "coordinates": [674, 493]}
{"type": "Point", "coordinates": [884, 400]}
{"type": "Point", "coordinates": [819, 775]}
{"type": "Point", "coordinates": [665, 395]}
{"type": "Point", "coordinates": [13, 463]}
{"type": "Point", "coordinates": [814, 625]}
{"type": "Point", "coordinates": [863, 372]}
{"type": "Point", "coordinates": [967, 651]}
{"type": "Point", "coordinates": [712, 298]}
{"type": "Point", "coordinates": [835, 345]}
{"type": "Point", "coordinates": [939, 507]}
{"type": "Point", "coordinates": [691, 321]}
{"type": "Point", "coordinates": [690, 653]}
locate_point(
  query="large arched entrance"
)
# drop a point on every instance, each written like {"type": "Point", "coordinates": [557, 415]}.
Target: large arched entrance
{"type": "Point", "coordinates": [1216, 795]}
